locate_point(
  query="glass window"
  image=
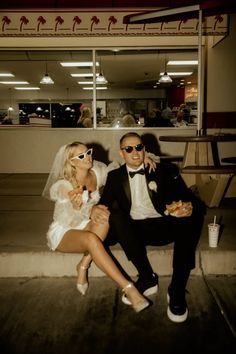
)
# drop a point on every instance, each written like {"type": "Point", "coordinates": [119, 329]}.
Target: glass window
{"type": "Point", "coordinates": [97, 88]}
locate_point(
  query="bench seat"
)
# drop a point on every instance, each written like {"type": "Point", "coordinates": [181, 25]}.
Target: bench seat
{"type": "Point", "coordinates": [231, 159]}
{"type": "Point", "coordinates": [224, 169]}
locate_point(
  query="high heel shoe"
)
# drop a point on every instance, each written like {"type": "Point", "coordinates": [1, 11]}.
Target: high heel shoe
{"type": "Point", "coordinates": [139, 305]}
{"type": "Point", "coordinates": [82, 288]}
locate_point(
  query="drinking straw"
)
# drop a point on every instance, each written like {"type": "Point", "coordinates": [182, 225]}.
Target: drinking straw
{"type": "Point", "coordinates": [214, 219]}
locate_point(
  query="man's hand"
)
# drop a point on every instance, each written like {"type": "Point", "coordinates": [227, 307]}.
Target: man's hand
{"type": "Point", "coordinates": [99, 214]}
{"type": "Point", "coordinates": [179, 209]}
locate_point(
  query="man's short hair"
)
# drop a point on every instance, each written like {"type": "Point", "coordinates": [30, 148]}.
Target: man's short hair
{"type": "Point", "coordinates": [129, 135]}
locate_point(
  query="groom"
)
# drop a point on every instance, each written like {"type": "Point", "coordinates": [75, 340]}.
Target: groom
{"type": "Point", "coordinates": [139, 217]}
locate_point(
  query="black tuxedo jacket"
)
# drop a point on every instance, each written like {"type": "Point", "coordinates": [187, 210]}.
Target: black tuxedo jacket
{"type": "Point", "coordinates": [166, 180]}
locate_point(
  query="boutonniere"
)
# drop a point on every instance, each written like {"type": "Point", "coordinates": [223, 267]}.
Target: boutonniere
{"type": "Point", "coordinates": [152, 186]}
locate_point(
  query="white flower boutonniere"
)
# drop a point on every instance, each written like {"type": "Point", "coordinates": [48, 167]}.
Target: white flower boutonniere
{"type": "Point", "coordinates": [152, 186]}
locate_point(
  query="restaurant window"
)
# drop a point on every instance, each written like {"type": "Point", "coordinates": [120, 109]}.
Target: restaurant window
{"type": "Point", "coordinates": [111, 84]}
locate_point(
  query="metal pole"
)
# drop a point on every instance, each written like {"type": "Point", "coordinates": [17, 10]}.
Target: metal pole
{"type": "Point", "coordinates": [199, 81]}
{"type": "Point", "coordinates": [94, 91]}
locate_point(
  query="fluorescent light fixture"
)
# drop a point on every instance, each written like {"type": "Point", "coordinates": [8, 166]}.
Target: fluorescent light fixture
{"type": "Point", "coordinates": [176, 73]}
{"type": "Point", "coordinates": [83, 75]}
{"type": "Point", "coordinates": [14, 82]}
{"type": "Point", "coordinates": [97, 88]}
{"type": "Point", "coordinates": [6, 75]}
{"type": "Point", "coordinates": [91, 82]}
{"type": "Point", "coordinates": [182, 62]}
{"type": "Point", "coordinates": [85, 82]}
{"type": "Point", "coordinates": [27, 88]}
{"type": "Point", "coordinates": [78, 64]}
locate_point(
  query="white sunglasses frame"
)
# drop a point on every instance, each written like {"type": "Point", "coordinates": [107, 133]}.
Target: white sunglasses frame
{"type": "Point", "coordinates": [89, 152]}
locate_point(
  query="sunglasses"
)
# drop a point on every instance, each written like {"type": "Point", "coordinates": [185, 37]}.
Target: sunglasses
{"type": "Point", "coordinates": [129, 149]}
{"type": "Point", "coordinates": [83, 155]}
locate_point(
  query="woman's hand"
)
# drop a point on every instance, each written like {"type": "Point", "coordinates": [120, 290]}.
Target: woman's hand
{"type": "Point", "coordinates": [99, 214]}
{"type": "Point", "coordinates": [148, 161]}
{"type": "Point", "coordinates": [75, 196]}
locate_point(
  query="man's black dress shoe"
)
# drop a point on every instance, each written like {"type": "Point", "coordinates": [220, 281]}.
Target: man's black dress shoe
{"type": "Point", "coordinates": [177, 310]}
{"type": "Point", "coordinates": [146, 287]}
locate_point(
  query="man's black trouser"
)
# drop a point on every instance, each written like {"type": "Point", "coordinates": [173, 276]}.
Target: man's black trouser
{"type": "Point", "coordinates": [135, 235]}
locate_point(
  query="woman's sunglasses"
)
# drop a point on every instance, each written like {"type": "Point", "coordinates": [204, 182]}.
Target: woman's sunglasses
{"type": "Point", "coordinates": [83, 155]}
{"type": "Point", "coordinates": [129, 149]}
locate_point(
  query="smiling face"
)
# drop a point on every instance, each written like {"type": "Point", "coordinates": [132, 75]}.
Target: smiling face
{"type": "Point", "coordinates": [133, 158]}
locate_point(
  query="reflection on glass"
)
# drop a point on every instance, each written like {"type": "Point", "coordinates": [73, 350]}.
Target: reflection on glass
{"type": "Point", "coordinates": [134, 90]}
{"type": "Point", "coordinates": [129, 86]}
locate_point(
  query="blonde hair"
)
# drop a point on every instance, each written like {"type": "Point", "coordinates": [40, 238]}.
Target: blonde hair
{"type": "Point", "coordinates": [86, 118]}
{"type": "Point", "coordinates": [86, 112]}
{"type": "Point", "coordinates": [68, 170]}
{"type": "Point", "coordinates": [128, 120]}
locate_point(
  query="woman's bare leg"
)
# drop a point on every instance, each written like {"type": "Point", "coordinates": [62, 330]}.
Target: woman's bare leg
{"type": "Point", "coordinates": [77, 241]}
{"type": "Point", "coordinates": [101, 231]}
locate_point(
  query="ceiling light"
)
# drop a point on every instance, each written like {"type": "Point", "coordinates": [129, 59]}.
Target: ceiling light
{"type": "Point", "coordinates": [14, 82]}
{"type": "Point", "coordinates": [27, 88]}
{"type": "Point", "coordinates": [176, 73]}
{"type": "Point", "coordinates": [79, 64]}
{"type": "Point", "coordinates": [92, 82]}
{"type": "Point", "coordinates": [85, 82]}
{"type": "Point", "coordinates": [10, 108]}
{"type": "Point", "coordinates": [101, 79]}
{"type": "Point", "coordinates": [83, 75]}
{"type": "Point", "coordinates": [182, 62]}
{"type": "Point", "coordinates": [165, 78]}
{"type": "Point", "coordinates": [46, 79]}
{"type": "Point", "coordinates": [97, 88]}
{"type": "Point", "coordinates": [6, 75]}
{"type": "Point", "coordinates": [67, 98]}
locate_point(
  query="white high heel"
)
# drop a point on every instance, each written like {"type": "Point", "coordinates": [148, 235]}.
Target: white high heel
{"type": "Point", "coordinates": [140, 305]}
{"type": "Point", "coordinates": [82, 288]}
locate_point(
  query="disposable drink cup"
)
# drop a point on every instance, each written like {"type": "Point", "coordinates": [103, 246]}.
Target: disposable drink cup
{"type": "Point", "coordinates": [213, 234]}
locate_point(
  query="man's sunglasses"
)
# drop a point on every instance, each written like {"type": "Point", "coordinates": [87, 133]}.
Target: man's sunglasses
{"type": "Point", "coordinates": [83, 155]}
{"type": "Point", "coordinates": [129, 149]}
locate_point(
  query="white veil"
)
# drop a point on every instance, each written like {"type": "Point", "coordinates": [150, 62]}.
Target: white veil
{"type": "Point", "coordinates": [56, 171]}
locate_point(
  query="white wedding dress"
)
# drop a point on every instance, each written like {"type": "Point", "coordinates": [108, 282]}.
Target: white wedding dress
{"type": "Point", "coordinates": [65, 217]}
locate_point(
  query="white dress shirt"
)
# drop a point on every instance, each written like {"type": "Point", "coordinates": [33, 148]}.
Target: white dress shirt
{"type": "Point", "coordinates": [141, 205]}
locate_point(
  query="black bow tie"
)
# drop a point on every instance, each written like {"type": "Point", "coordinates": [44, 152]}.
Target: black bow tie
{"type": "Point", "coordinates": [133, 173]}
